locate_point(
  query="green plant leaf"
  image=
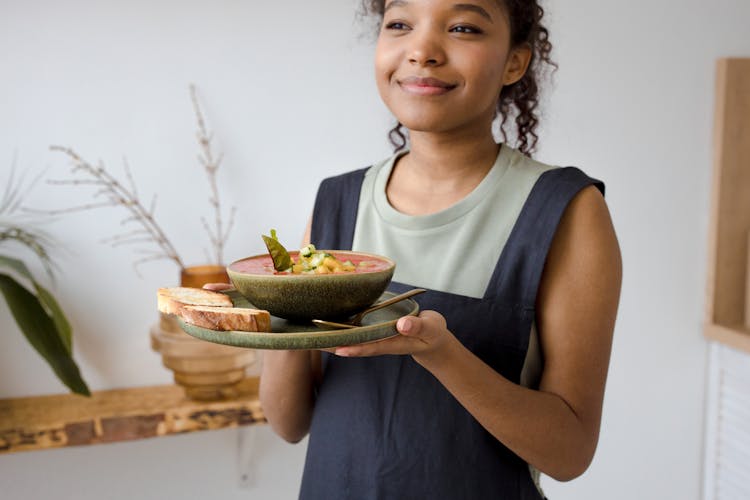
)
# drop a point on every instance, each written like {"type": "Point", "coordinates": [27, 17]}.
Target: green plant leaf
{"type": "Point", "coordinates": [45, 297]}
{"type": "Point", "coordinates": [62, 326]}
{"type": "Point", "coordinates": [17, 265]}
{"type": "Point", "coordinates": [41, 332]}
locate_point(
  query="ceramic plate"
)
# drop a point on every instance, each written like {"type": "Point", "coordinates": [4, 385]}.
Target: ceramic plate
{"type": "Point", "coordinates": [289, 335]}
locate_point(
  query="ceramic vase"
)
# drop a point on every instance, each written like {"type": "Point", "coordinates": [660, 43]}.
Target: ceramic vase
{"type": "Point", "coordinates": [205, 370]}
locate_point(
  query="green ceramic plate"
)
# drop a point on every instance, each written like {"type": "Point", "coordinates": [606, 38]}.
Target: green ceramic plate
{"type": "Point", "coordinates": [288, 335]}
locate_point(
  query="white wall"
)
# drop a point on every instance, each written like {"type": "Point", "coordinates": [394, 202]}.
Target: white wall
{"type": "Point", "coordinates": [287, 89]}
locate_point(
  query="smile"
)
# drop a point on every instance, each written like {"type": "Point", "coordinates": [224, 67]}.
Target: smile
{"type": "Point", "coordinates": [425, 86]}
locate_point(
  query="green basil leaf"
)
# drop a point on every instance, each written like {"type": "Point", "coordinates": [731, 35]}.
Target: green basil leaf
{"type": "Point", "coordinates": [281, 259]}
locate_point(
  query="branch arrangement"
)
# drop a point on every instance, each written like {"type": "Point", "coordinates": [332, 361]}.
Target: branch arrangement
{"type": "Point", "coordinates": [218, 236]}
{"type": "Point", "coordinates": [112, 193]}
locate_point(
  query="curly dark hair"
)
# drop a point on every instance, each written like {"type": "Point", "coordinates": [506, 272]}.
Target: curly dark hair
{"type": "Point", "coordinates": [518, 102]}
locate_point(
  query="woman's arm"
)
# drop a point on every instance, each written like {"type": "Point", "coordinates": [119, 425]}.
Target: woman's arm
{"type": "Point", "coordinates": [287, 384]}
{"type": "Point", "coordinates": [286, 391]}
{"type": "Point", "coordinates": [555, 428]}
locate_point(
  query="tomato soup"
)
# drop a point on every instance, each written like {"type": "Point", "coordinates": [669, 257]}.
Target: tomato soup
{"type": "Point", "coordinates": [262, 264]}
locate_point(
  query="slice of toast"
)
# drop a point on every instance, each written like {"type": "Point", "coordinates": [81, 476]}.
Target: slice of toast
{"type": "Point", "coordinates": [227, 318]}
{"type": "Point", "coordinates": [173, 300]}
{"type": "Point", "coordinates": [212, 310]}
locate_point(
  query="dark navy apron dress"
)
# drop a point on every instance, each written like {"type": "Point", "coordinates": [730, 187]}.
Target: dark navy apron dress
{"type": "Point", "coordinates": [383, 427]}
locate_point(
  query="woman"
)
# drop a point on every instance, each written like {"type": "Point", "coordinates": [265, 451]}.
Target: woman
{"type": "Point", "coordinates": [502, 374]}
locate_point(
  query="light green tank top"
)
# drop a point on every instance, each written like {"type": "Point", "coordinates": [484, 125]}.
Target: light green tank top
{"type": "Point", "coordinates": [458, 247]}
{"type": "Point", "coordinates": [454, 250]}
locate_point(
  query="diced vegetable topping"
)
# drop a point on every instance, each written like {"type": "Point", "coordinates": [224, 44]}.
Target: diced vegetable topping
{"type": "Point", "coordinates": [309, 261]}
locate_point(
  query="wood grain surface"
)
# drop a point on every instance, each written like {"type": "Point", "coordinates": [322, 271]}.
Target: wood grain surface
{"type": "Point", "coordinates": [55, 421]}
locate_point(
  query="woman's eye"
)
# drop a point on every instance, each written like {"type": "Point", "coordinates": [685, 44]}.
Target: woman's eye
{"type": "Point", "coordinates": [465, 29]}
{"type": "Point", "coordinates": [395, 25]}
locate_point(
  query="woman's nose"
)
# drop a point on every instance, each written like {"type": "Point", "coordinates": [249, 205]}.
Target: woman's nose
{"type": "Point", "coordinates": [426, 49]}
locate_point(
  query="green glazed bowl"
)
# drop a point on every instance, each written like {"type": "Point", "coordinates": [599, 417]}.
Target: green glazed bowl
{"type": "Point", "coordinates": [307, 296]}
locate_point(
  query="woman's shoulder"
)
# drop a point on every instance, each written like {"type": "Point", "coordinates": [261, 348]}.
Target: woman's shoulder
{"type": "Point", "coordinates": [547, 175]}
{"type": "Point", "coordinates": [525, 164]}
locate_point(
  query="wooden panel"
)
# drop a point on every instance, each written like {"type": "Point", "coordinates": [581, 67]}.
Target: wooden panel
{"type": "Point", "coordinates": [747, 285]}
{"type": "Point", "coordinates": [737, 336]}
{"type": "Point", "coordinates": [119, 415]}
{"type": "Point", "coordinates": [731, 194]}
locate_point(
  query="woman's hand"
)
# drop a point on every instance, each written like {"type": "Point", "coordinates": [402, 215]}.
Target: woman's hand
{"type": "Point", "coordinates": [425, 337]}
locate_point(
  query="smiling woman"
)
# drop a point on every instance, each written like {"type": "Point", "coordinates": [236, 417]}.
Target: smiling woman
{"type": "Point", "coordinates": [502, 374]}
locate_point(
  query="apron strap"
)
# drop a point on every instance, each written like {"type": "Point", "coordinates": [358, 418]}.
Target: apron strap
{"type": "Point", "coordinates": [520, 265]}
{"type": "Point", "coordinates": [335, 211]}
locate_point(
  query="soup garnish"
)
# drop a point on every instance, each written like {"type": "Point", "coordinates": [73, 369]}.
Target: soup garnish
{"type": "Point", "coordinates": [309, 259]}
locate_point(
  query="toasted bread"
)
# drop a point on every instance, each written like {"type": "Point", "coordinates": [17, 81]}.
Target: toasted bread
{"type": "Point", "coordinates": [227, 318]}
{"type": "Point", "coordinates": [212, 310]}
{"type": "Point", "coordinates": [173, 300]}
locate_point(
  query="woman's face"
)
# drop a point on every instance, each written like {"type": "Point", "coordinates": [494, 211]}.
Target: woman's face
{"type": "Point", "coordinates": [440, 64]}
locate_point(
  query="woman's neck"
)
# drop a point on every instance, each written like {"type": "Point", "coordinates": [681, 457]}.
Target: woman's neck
{"type": "Point", "coordinates": [438, 172]}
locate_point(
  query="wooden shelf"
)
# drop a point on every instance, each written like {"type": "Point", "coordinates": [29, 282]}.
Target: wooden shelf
{"type": "Point", "coordinates": [736, 336]}
{"type": "Point", "coordinates": [728, 277]}
{"type": "Point", "coordinates": [43, 422]}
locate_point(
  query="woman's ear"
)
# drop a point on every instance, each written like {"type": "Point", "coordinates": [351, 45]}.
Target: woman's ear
{"type": "Point", "coordinates": [517, 64]}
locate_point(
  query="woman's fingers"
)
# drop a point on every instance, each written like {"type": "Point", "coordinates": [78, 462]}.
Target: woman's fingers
{"type": "Point", "coordinates": [429, 324]}
{"type": "Point", "coordinates": [399, 344]}
{"type": "Point", "coordinates": [417, 335]}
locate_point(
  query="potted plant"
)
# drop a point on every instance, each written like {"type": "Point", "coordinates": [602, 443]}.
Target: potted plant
{"type": "Point", "coordinates": [35, 310]}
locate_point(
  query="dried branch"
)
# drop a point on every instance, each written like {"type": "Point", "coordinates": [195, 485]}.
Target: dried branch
{"type": "Point", "coordinates": [218, 235]}
{"type": "Point", "coordinates": [110, 192]}
{"type": "Point", "coordinates": [77, 208]}
{"type": "Point", "coordinates": [117, 194]}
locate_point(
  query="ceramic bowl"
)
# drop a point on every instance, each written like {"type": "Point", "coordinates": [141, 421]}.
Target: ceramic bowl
{"type": "Point", "coordinates": [308, 296]}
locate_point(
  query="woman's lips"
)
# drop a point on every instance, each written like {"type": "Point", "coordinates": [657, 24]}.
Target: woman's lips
{"type": "Point", "coordinates": [425, 86]}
